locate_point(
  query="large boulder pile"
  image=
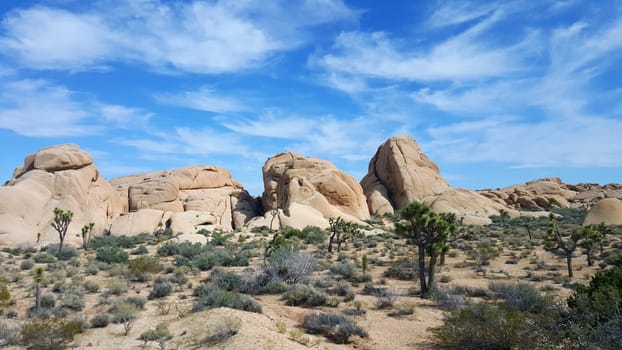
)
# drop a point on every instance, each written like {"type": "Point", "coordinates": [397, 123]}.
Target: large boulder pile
{"type": "Point", "coordinates": [608, 211]}
{"type": "Point", "coordinates": [56, 177]}
{"type": "Point", "coordinates": [538, 194]}
{"type": "Point", "coordinates": [308, 191]}
{"type": "Point", "coordinates": [400, 173]}
{"type": "Point", "coordinates": [184, 199]}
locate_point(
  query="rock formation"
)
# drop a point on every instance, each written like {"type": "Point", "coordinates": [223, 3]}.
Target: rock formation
{"type": "Point", "coordinates": [56, 177]}
{"type": "Point", "coordinates": [309, 191]}
{"type": "Point", "coordinates": [400, 173]}
{"type": "Point", "coordinates": [196, 197]}
{"type": "Point", "coordinates": [608, 210]}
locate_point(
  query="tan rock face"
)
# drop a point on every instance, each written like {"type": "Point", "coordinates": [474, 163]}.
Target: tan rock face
{"type": "Point", "coordinates": [207, 190]}
{"type": "Point", "coordinates": [608, 210]}
{"type": "Point", "coordinates": [399, 173]}
{"type": "Point", "coordinates": [56, 177]}
{"type": "Point", "coordinates": [311, 190]}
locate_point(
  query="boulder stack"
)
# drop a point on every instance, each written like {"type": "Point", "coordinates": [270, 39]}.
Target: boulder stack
{"type": "Point", "coordinates": [62, 177]}
{"type": "Point", "coordinates": [308, 191]}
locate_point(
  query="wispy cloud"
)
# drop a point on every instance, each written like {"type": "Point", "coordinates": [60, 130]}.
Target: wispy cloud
{"type": "Point", "coordinates": [39, 108]}
{"type": "Point", "coordinates": [197, 37]}
{"type": "Point", "coordinates": [203, 99]}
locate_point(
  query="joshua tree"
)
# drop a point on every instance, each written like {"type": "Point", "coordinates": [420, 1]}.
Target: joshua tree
{"type": "Point", "coordinates": [593, 236]}
{"type": "Point", "coordinates": [62, 219]}
{"type": "Point", "coordinates": [86, 235]}
{"type": "Point", "coordinates": [430, 232]}
{"type": "Point", "coordinates": [341, 231]}
{"type": "Point", "coordinates": [556, 241]}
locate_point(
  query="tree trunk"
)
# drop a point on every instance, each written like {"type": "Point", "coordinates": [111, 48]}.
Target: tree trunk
{"type": "Point", "coordinates": [529, 232]}
{"type": "Point", "coordinates": [422, 282]}
{"type": "Point", "coordinates": [37, 298]}
{"type": "Point", "coordinates": [442, 262]}
{"type": "Point", "coordinates": [60, 246]}
{"type": "Point", "coordinates": [569, 263]}
{"type": "Point", "coordinates": [431, 274]}
{"type": "Point", "coordinates": [590, 261]}
{"type": "Point", "coordinates": [330, 243]}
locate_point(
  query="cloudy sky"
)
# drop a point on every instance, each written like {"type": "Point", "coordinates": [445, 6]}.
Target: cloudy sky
{"type": "Point", "coordinates": [496, 93]}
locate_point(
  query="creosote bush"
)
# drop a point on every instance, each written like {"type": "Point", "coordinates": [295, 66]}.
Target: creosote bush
{"type": "Point", "coordinates": [50, 333]}
{"type": "Point", "coordinates": [210, 296]}
{"type": "Point", "coordinates": [111, 255]}
{"type": "Point", "coordinates": [304, 295]}
{"type": "Point", "coordinates": [337, 327]}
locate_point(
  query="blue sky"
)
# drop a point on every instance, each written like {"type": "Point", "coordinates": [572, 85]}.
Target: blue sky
{"type": "Point", "coordinates": [495, 92]}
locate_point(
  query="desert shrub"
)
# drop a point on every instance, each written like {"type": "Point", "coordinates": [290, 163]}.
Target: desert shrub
{"type": "Point", "coordinates": [111, 255]}
{"type": "Point", "coordinates": [337, 327]}
{"type": "Point", "coordinates": [160, 334]}
{"type": "Point", "coordinates": [343, 289]}
{"type": "Point", "coordinates": [227, 280]}
{"type": "Point", "coordinates": [124, 313]}
{"type": "Point", "coordinates": [304, 295]}
{"type": "Point", "coordinates": [137, 301]}
{"type": "Point", "coordinates": [117, 287]}
{"type": "Point", "coordinates": [9, 334]}
{"type": "Point", "coordinates": [290, 266]}
{"type": "Point", "coordinates": [226, 328]}
{"type": "Point", "coordinates": [595, 311]}
{"type": "Point", "coordinates": [67, 253]}
{"type": "Point", "coordinates": [125, 242]}
{"type": "Point", "coordinates": [402, 309]}
{"type": "Point", "coordinates": [347, 269]}
{"type": "Point", "coordinates": [100, 321]}
{"type": "Point", "coordinates": [44, 258]}
{"type": "Point", "coordinates": [485, 251]}
{"type": "Point", "coordinates": [449, 299]}
{"type": "Point", "coordinates": [27, 264]}
{"type": "Point", "coordinates": [140, 250]}
{"type": "Point", "coordinates": [402, 270]}
{"type": "Point", "coordinates": [210, 296]}
{"type": "Point", "coordinates": [477, 326]}
{"type": "Point", "coordinates": [521, 296]}
{"type": "Point", "coordinates": [47, 301]}
{"type": "Point", "coordinates": [91, 286]}
{"type": "Point", "coordinates": [73, 300]}
{"type": "Point", "coordinates": [49, 333]}
{"type": "Point", "coordinates": [313, 235]}
{"type": "Point", "coordinates": [185, 249]}
{"type": "Point", "coordinates": [219, 238]}
{"type": "Point", "coordinates": [142, 266]}
{"type": "Point", "coordinates": [161, 288]}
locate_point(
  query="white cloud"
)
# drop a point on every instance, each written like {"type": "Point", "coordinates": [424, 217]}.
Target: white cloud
{"type": "Point", "coordinates": [197, 37]}
{"type": "Point", "coordinates": [272, 125]}
{"type": "Point", "coordinates": [38, 108]}
{"type": "Point", "coordinates": [203, 99]}
{"type": "Point", "coordinates": [578, 142]}
{"type": "Point", "coordinates": [448, 13]}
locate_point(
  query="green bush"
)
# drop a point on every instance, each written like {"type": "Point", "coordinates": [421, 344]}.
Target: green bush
{"type": "Point", "coordinates": [50, 333]}
{"type": "Point", "coordinates": [100, 321]}
{"type": "Point", "coordinates": [118, 241]}
{"type": "Point", "coordinates": [161, 288]}
{"type": "Point", "coordinates": [337, 327]}
{"type": "Point", "coordinates": [73, 301]}
{"type": "Point", "coordinates": [313, 235]}
{"type": "Point", "coordinates": [142, 266]}
{"type": "Point", "coordinates": [521, 296]}
{"type": "Point", "coordinates": [44, 258]}
{"type": "Point", "coordinates": [304, 295]}
{"type": "Point", "coordinates": [67, 253]}
{"type": "Point", "coordinates": [227, 280]}
{"type": "Point", "coordinates": [210, 296]}
{"type": "Point", "coordinates": [27, 264]}
{"type": "Point", "coordinates": [111, 255]}
{"type": "Point", "coordinates": [486, 326]}
{"type": "Point", "coordinates": [403, 270]}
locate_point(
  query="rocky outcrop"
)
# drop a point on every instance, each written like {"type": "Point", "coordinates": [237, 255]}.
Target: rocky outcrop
{"type": "Point", "coordinates": [608, 210]}
{"type": "Point", "coordinates": [198, 196]}
{"type": "Point", "coordinates": [538, 194]}
{"type": "Point", "coordinates": [62, 177]}
{"type": "Point", "coordinates": [309, 191]}
{"type": "Point", "coordinates": [400, 173]}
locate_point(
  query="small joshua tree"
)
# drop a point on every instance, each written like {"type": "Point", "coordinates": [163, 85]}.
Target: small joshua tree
{"type": "Point", "coordinates": [38, 279]}
{"type": "Point", "coordinates": [556, 241]}
{"type": "Point", "coordinates": [87, 230]}
{"type": "Point", "coordinates": [61, 222]}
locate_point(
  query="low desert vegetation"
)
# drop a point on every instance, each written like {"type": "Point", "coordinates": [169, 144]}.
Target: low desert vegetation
{"type": "Point", "coordinates": [551, 282]}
